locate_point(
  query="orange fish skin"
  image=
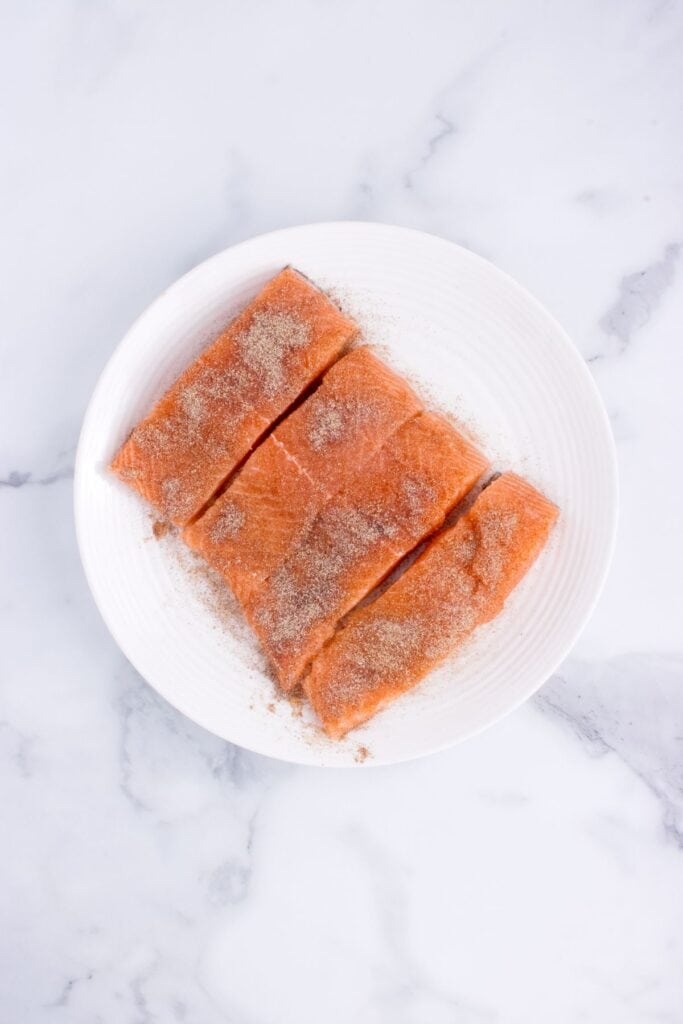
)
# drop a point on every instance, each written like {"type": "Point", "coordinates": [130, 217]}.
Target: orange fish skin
{"type": "Point", "coordinates": [211, 417]}
{"type": "Point", "coordinates": [459, 582]}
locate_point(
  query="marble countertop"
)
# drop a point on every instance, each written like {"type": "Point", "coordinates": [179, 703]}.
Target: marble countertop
{"type": "Point", "coordinates": [153, 873]}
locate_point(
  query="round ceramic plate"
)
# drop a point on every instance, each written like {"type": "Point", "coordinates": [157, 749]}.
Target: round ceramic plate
{"type": "Point", "coordinates": [482, 348]}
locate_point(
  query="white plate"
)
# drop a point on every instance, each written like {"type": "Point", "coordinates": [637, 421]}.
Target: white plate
{"type": "Point", "coordinates": [486, 350]}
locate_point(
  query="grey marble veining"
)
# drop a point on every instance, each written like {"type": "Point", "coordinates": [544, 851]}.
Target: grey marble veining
{"type": "Point", "coordinates": [153, 873]}
{"type": "Point", "coordinates": [639, 297]}
{"type": "Point", "coordinates": [630, 706]}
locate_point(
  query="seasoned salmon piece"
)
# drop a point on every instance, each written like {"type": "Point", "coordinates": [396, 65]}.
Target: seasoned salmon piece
{"type": "Point", "coordinates": [460, 581]}
{"type": "Point", "coordinates": [249, 530]}
{"type": "Point", "coordinates": [207, 422]}
{"type": "Point", "coordinates": [402, 495]}
{"type": "Point", "coordinates": [360, 403]}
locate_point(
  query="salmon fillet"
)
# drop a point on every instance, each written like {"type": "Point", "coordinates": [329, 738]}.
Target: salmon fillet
{"type": "Point", "coordinates": [208, 421]}
{"type": "Point", "coordinates": [249, 530]}
{"type": "Point", "coordinates": [459, 582]}
{"type": "Point", "coordinates": [402, 495]}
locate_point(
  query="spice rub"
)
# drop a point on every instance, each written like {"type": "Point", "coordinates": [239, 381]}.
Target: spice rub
{"type": "Point", "coordinates": [403, 494]}
{"type": "Point", "coordinates": [208, 421]}
{"type": "Point", "coordinates": [460, 581]}
{"type": "Point", "coordinates": [317, 450]}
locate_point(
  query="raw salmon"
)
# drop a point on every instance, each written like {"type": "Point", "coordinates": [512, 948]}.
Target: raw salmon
{"type": "Point", "coordinates": [249, 530]}
{"type": "Point", "coordinates": [459, 582]}
{"type": "Point", "coordinates": [208, 421]}
{"type": "Point", "coordinates": [402, 494]}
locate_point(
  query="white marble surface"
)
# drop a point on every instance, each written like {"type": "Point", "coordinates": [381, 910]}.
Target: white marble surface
{"type": "Point", "coordinates": [152, 873]}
